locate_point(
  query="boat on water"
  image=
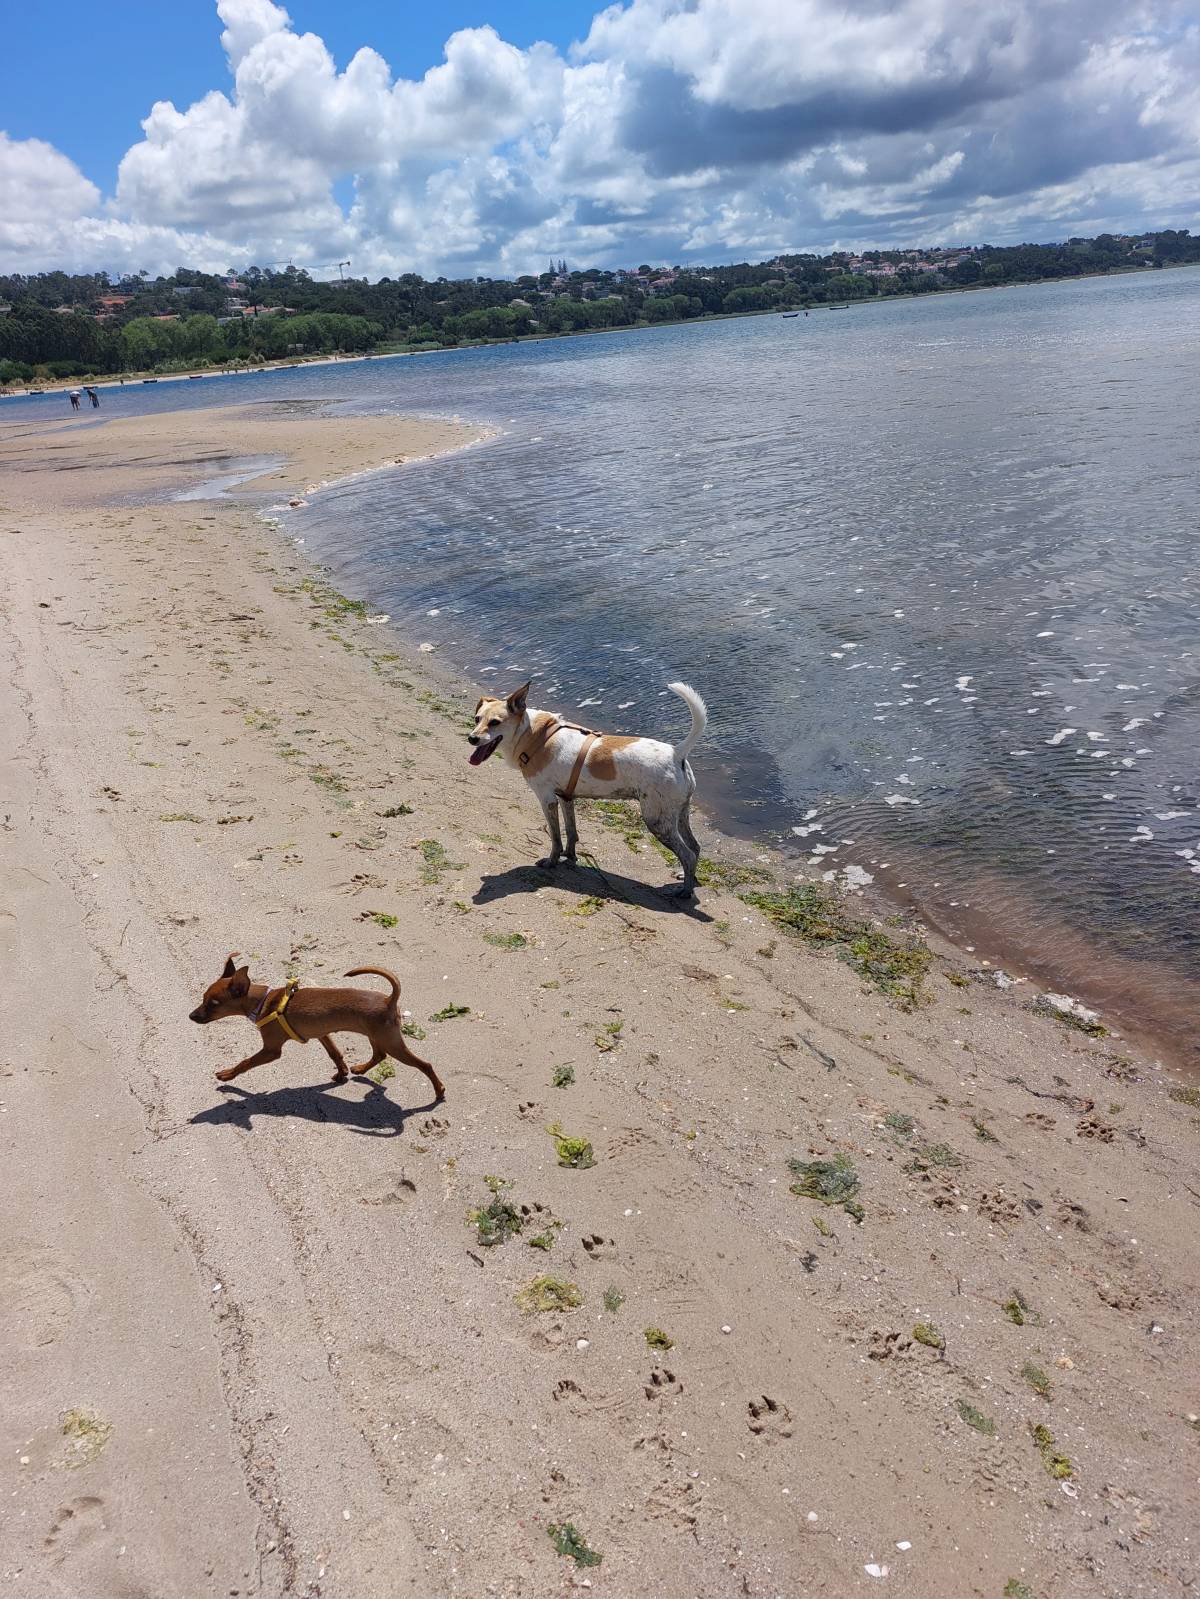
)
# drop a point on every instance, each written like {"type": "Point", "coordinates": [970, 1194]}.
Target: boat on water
{"type": "Point", "coordinates": [789, 313]}
{"type": "Point", "coordinates": [149, 380]}
{"type": "Point", "coordinates": [839, 307]}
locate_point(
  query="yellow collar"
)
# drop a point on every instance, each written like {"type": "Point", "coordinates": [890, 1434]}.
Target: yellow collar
{"type": "Point", "coordinates": [275, 1014]}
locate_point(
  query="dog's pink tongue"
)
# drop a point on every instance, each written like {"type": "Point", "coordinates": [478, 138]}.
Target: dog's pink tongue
{"type": "Point", "coordinates": [478, 756]}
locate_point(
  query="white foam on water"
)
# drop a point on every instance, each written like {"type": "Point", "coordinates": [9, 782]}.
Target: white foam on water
{"type": "Point", "coordinates": [1064, 732]}
{"type": "Point", "coordinates": [900, 799]}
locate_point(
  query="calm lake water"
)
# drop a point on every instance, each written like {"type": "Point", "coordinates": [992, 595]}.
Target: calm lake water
{"type": "Point", "coordinates": [932, 563]}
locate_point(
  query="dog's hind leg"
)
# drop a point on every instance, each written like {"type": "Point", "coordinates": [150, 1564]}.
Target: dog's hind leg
{"type": "Point", "coordinates": [550, 811]}
{"type": "Point", "coordinates": [666, 830]}
{"type": "Point", "coordinates": [568, 809]}
{"type": "Point", "coordinates": [340, 1070]}
{"type": "Point", "coordinates": [685, 827]}
{"type": "Point", "coordinates": [399, 1050]}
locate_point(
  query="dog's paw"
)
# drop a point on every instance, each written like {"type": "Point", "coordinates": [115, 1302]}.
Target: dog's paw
{"type": "Point", "coordinates": [227, 1075]}
{"type": "Point", "coordinates": [548, 862]}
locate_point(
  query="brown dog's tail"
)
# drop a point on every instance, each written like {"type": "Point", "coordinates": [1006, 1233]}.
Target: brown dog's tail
{"type": "Point", "coordinates": [378, 971]}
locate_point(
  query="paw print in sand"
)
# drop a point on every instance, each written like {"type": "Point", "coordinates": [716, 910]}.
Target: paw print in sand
{"type": "Point", "coordinates": [662, 1384]}
{"type": "Point", "coordinates": [769, 1418]}
{"type": "Point", "coordinates": [528, 1108]}
{"type": "Point", "coordinates": [434, 1127]}
{"type": "Point", "coordinates": [598, 1248]}
{"type": "Point", "coordinates": [999, 1207]}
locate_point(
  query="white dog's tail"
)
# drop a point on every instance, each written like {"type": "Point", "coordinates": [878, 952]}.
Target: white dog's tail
{"type": "Point", "coordinates": [699, 718]}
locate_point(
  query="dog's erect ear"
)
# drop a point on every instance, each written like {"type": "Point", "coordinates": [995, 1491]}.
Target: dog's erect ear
{"type": "Point", "coordinates": [478, 703]}
{"type": "Point", "coordinates": [239, 983]}
{"type": "Point", "coordinates": [230, 966]}
{"type": "Point", "coordinates": [516, 700]}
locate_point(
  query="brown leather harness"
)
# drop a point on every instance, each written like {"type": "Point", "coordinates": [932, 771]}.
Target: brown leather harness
{"type": "Point", "coordinates": [543, 737]}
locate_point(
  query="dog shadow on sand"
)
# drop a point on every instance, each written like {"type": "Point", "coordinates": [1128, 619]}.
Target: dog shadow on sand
{"type": "Point", "coordinates": [586, 881]}
{"type": "Point", "coordinates": [373, 1114]}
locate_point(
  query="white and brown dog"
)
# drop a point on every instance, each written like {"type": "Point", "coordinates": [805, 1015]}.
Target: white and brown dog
{"type": "Point", "coordinates": [562, 761]}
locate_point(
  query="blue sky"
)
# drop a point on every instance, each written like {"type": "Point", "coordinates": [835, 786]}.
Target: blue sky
{"type": "Point", "coordinates": [108, 65]}
{"type": "Point", "coordinates": [485, 137]}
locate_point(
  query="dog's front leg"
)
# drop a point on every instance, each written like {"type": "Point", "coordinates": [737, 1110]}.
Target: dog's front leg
{"type": "Point", "coordinates": [550, 811]}
{"type": "Point", "coordinates": [260, 1059]}
{"type": "Point", "coordinates": [568, 806]}
{"type": "Point", "coordinates": [340, 1069]}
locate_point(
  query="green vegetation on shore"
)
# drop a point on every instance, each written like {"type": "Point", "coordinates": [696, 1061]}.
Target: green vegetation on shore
{"type": "Point", "coordinates": [56, 325]}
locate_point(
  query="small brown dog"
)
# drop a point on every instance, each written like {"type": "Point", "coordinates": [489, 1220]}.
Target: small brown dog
{"type": "Point", "coordinates": [306, 1013]}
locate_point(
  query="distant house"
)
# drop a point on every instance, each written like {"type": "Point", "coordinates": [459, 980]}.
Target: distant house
{"type": "Point", "coordinates": [5, 308]}
{"type": "Point", "coordinates": [108, 305]}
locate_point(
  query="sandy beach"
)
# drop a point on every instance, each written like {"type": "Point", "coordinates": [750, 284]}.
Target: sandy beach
{"type": "Point", "coordinates": [258, 1345]}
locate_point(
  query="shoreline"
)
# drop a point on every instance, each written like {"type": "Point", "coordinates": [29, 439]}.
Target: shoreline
{"type": "Point", "coordinates": [1126, 1004]}
{"type": "Point", "coordinates": [269, 1300]}
{"type": "Point", "coordinates": [140, 378]}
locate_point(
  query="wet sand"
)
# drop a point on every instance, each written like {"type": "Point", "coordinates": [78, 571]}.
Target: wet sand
{"type": "Point", "coordinates": [285, 1361]}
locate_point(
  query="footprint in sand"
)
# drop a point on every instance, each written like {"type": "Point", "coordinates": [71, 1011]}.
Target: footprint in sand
{"type": "Point", "coordinates": [599, 1248]}
{"type": "Point", "coordinates": [674, 1501]}
{"type": "Point", "coordinates": [999, 1207]}
{"type": "Point", "coordinates": [572, 1397]}
{"type": "Point", "coordinates": [662, 1384]}
{"type": "Point", "coordinates": [39, 1300]}
{"type": "Point", "coordinates": [1072, 1215]}
{"type": "Point", "coordinates": [769, 1418]}
{"type": "Point", "coordinates": [76, 1524]}
{"type": "Point", "coordinates": [884, 1345]}
{"type": "Point", "coordinates": [529, 1108]}
{"type": "Point", "coordinates": [549, 1338]}
{"type": "Point", "coordinates": [434, 1127]}
{"type": "Point", "coordinates": [394, 1191]}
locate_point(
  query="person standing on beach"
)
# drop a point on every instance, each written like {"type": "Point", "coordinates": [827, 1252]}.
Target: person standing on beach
{"type": "Point", "coordinates": [74, 399]}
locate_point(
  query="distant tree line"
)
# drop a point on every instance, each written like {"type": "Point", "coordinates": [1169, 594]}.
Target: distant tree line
{"type": "Point", "coordinates": [55, 324]}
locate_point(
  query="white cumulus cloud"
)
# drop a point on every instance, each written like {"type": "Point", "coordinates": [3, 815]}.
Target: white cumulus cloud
{"type": "Point", "coordinates": [675, 130]}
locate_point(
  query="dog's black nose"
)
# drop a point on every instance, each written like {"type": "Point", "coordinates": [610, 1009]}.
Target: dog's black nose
{"type": "Point", "coordinates": [472, 738]}
{"type": "Point", "coordinates": [195, 1016]}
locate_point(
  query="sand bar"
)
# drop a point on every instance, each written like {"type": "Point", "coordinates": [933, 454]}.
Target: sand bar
{"type": "Point", "coordinates": [285, 1362]}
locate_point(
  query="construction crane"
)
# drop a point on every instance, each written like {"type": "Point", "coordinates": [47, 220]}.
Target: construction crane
{"type": "Point", "coordinates": [316, 266]}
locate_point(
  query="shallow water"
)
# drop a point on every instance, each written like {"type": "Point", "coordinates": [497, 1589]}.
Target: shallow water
{"type": "Point", "coordinates": [932, 563]}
